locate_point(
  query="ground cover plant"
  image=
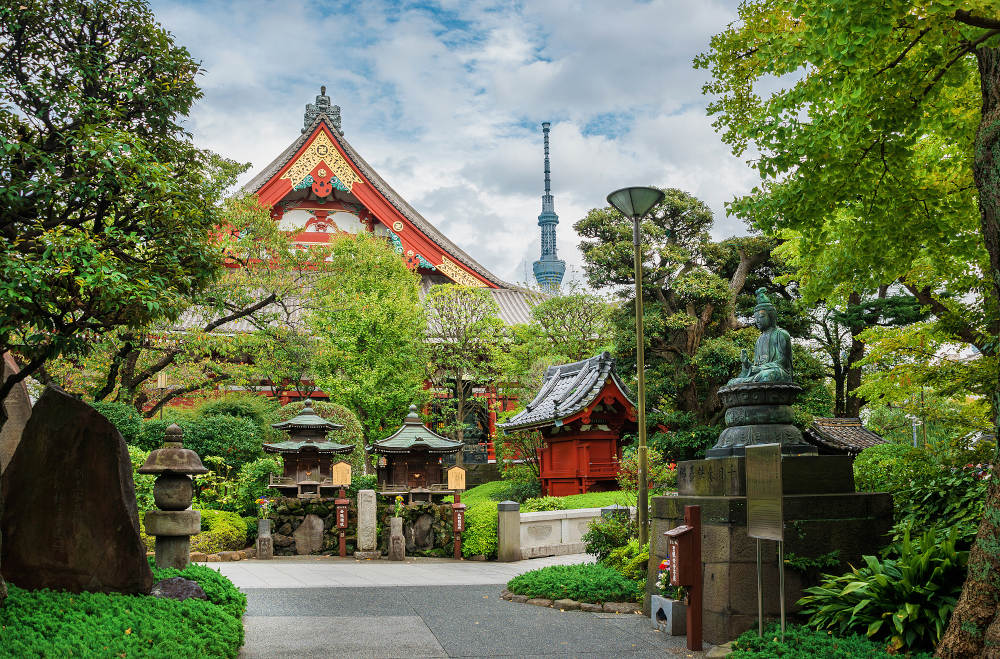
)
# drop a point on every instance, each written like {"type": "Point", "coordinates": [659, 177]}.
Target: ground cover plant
{"type": "Point", "coordinates": [585, 582]}
{"type": "Point", "coordinates": [804, 643]}
{"type": "Point", "coordinates": [43, 623]}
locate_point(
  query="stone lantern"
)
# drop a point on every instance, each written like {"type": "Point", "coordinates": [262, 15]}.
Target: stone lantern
{"type": "Point", "coordinates": [173, 525]}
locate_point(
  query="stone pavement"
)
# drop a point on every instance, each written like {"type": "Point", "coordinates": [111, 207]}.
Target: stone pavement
{"type": "Point", "coordinates": [322, 607]}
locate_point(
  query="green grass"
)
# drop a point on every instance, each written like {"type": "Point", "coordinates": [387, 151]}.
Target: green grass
{"type": "Point", "coordinates": [585, 582]}
{"type": "Point", "coordinates": [805, 643]}
{"type": "Point", "coordinates": [590, 500]}
{"type": "Point", "coordinates": [44, 623]}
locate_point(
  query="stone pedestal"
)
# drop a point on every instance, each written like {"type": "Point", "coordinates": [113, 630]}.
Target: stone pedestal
{"type": "Point", "coordinates": [821, 512]}
{"type": "Point", "coordinates": [367, 547]}
{"type": "Point", "coordinates": [265, 542]}
{"type": "Point", "coordinates": [759, 413]}
{"type": "Point", "coordinates": [509, 531]}
{"type": "Point", "coordinates": [668, 615]}
{"type": "Point", "coordinates": [397, 543]}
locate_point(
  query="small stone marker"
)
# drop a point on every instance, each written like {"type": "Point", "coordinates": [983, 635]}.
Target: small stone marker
{"type": "Point", "coordinates": [367, 547]}
{"type": "Point", "coordinates": [397, 543]}
{"type": "Point", "coordinates": [309, 535]}
{"type": "Point", "coordinates": [70, 520]}
{"type": "Point", "coordinates": [178, 588]}
{"type": "Point", "coordinates": [265, 543]}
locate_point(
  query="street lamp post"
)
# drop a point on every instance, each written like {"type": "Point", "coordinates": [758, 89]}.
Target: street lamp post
{"type": "Point", "coordinates": [635, 203]}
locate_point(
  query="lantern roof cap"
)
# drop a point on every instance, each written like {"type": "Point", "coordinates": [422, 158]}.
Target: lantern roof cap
{"type": "Point", "coordinates": [172, 457]}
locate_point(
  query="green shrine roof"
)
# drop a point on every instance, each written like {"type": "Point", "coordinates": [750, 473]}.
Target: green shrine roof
{"type": "Point", "coordinates": [415, 435]}
{"type": "Point", "coordinates": [307, 419]}
{"type": "Point", "coordinates": [296, 446]}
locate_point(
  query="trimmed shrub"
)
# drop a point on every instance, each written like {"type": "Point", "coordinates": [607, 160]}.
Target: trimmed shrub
{"type": "Point", "coordinates": [609, 533]}
{"type": "Point", "coordinates": [805, 643]}
{"type": "Point", "coordinates": [220, 531]}
{"type": "Point", "coordinates": [44, 623]}
{"type": "Point", "coordinates": [251, 483]}
{"type": "Point", "coordinates": [258, 409]}
{"type": "Point", "coordinates": [143, 482]}
{"type": "Point", "coordinates": [586, 582]}
{"type": "Point", "coordinates": [630, 561]}
{"type": "Point", "coordinates": [891, 467]}
{"type": "Point", "coordinates": [518, 490]}
{"type": "Point", "coordinates": [237, 440]}
{"type": "Point", "coordinates": [480, 536]}
{"type": "Point", "coordinates": [539, 504]}
{"type": "Point", "coordinates": [124, 417]}
{"type": "Point", "coordinates": [905, 600]}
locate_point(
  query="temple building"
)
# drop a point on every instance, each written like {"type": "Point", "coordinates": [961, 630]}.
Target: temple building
{"type": "Point", "coordinates": [548, 269]}
{"type": "Point", "coordinates": [582, 411]}
{"type": "Point", "coordinates": [307, 455]}
{"type": "Point", "coordinates": [320, 186]}
{"type": "Point", "coordinates": [409, 460]}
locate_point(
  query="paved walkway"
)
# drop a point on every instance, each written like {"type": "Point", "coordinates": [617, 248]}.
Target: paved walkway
{"type": "Point", "coordinates": [309, 607]}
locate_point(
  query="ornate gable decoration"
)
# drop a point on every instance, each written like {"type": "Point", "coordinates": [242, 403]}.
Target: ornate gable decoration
{"type": "Point", "coordinates": [457, 274]}
{"type": "Point", "coordinates": [322, 162]}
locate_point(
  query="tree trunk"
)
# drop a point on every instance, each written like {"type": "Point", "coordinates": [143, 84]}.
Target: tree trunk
{"type": "Point", "coordinates": [460, 413]}
{"type": "Point", "coordinates": [3, 420]}
{"type": "Point", "coordinates": [853, 405]}
{"type": "Point", "coordinates": [974, 628]}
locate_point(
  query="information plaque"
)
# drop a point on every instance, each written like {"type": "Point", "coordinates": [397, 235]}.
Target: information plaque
{"type": "Point", "coordinates": [764, 511]}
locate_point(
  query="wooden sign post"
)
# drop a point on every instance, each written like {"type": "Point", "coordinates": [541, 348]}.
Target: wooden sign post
{"type": "Point", "coordinates": [685, 569]}
{"type": "Point", "coordinates": [456, 482]}
{"type": "Point", "coordinates": [341, 476]}
{"type": "Point", "coordinates": [765, 517]}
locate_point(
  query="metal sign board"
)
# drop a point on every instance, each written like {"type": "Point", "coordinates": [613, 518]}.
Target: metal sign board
{"type": "Point", "coordinates": [341, 473]}
{"type": "Point", "coordinates": [765, 519]}
{"type": "Point", "coordinates": [456, 478]}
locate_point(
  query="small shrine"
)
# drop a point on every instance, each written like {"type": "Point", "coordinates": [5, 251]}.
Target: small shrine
{"type": "Point", "coordinates": [582, 411]}
{"type": "Point", "coordinates": [308, 456]}
{"type": "Point", "coordinates": [409, 460]}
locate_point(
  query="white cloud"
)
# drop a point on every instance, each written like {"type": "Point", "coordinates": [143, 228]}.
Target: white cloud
{"type": "Point", "coordinates": [445, 102]}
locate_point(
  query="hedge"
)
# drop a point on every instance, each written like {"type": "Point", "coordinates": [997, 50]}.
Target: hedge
{"type": "Point", "coordinates": [44, 623]}
{"type": "Point", "coordinates": [237, 440]}
{"type": "Point", "coordinates": [221, 531]}
{"type": "Point", "coordinates": [480, 535]}
{"type": "Point", "coordinates": [585, 582]}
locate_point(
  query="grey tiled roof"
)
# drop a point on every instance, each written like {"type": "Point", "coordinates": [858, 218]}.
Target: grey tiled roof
{"type": "Point", "coordinates": [567, 390]}
{"type": "Point", "coordinates": [394, 198]}
{"type": "Point", "coordinates": [841, 435]}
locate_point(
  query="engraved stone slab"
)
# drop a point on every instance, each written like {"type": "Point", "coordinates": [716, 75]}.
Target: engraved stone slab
{"type": "Point", "coordinates": [309, 535]}
{"type": "Point", "coordinates": [366, 520]}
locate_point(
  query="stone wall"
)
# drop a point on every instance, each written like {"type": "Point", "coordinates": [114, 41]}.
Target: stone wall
{"type": "Point", "coordinates": [428, 528]}
{"type": "Point", "coordinates": [308, 526]}
{"type": "Point", "coordinates": [546, 533]}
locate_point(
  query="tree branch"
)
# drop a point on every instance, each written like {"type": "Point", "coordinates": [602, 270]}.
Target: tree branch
{"type": "Point", "coordinates": [963, 16]}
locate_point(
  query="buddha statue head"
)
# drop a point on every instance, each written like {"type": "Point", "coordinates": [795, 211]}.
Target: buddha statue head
{"type": "Point", "coordinates": [765, 316]}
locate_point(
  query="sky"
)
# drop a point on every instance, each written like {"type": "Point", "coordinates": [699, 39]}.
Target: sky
{"type": "Point", "coordinates": [445, 99]}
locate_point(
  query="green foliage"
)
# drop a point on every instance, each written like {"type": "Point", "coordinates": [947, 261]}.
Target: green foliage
{"type": "Point", "coordinates": [361, 482]}
{"type": "Point", "coordinates": [109, 209]}
{"type": "Point", "coordinates": [123, 417]}
{"type": "Point", "coordinates": [659, 476]}
{"type": "Point", "coordinates": [251, 483]}
{"type": "Point", "coordinates": [586, 582]}
{"type": "Point", "coordinates": [804, 643]}
{"type": "Point", "coordinates": [259, 409]}
{"type": "Point", "coordinates": [485, 492]}
{"type": "Point", "coordinates": [598, 499]}
{"type": "Point", "coordinates": [370, 327]}
{"type": "Point", "coordinates": [539, 504]}
{"type": "Point", "coordinates": [574, 326]}
{"type": "Point", "coordinates": [949, 500]}
{"type": "Point", "coordinates": [221, 531]}
{"type": "Point", "coordinates": [630, 561]}
{"type": "Point", "coordinates": [143, 482]}
{"type": "Point", "coordinates": [519, 490]}
{"type": "Point", "coordinates": [686, 438]}
{"type": "Point", "coordinates": [905, 600]}
{"type": "Point", "coordinates": [606, 534]}
{"type": "Point", "coordinates": [44, 623]}
{"type": "Point", "coordinates": [237, 440]}
{"type": "Point", "coordinates": [805, 564]}
{"type": "Point", "coordinates": [480, 536]}
{"type": "Point", "coordinates": [890, 467]}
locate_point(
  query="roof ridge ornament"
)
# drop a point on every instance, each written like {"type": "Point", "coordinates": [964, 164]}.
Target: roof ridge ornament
{"type": "Point", "coordinates": [324, 107]}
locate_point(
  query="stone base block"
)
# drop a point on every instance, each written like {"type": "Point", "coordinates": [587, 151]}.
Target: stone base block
{"type": "Point", "coordinates": [367, 555]}
{"type": "Point", "coordinates": [800, 474]}
{"type": "Point", "coordinates": [668, 615]}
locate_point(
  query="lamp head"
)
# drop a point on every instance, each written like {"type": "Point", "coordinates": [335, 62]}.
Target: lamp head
{"type": "Point", "coordinates": [635, 202]}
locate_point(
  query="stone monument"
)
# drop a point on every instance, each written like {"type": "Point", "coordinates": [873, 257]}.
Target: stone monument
{"type": "Point", "coordinates": [70, 520]}
{"type": "Point", "coordinates": [174, 523]}
{"type": "Point", "coordinates": [759, 400]}
{"type": "Point", "coordinates": [367, 541]}
{"type": "Point", "coordinates": [822, 512]}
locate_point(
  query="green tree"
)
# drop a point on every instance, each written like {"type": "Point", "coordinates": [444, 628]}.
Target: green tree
{"type": "Point", "coordinates": [872, 160]}
{"type": "Point", "coordinates": [575, 325]}
{"type": "Point", "coordinates": [369, 328]}
{"type": "Point", "coordinates": [464, 340]}
{"type": "Point", "coordinates": [107, 208]}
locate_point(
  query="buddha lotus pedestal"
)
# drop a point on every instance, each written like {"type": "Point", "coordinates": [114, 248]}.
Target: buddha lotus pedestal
{"type": "Point", "coordinates": [759, 413]}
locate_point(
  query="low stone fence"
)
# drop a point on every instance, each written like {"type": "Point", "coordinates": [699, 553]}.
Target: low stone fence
{"type": "Point", "coordinates": [549, 533]}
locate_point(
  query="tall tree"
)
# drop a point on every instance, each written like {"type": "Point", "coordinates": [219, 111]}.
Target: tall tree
{"type": "Point", "coordinates": [692, 288]}
{"type": "Point", "coordinates": [464, 339]}
{"type": "Point", "coordinates": [875, 159]}
{"type": "Point", "coordinates": [369, 327]}
{"type": "Point", "coordinates": [107, 207]}
{"type": "Point", "coordinates": [574, 326]}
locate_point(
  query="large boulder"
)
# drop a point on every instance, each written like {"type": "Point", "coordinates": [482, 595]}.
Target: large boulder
{"type": "Point", "coordinates": [309, 535]}
{"type": "Point", "coordinates": [70, 520]}
{"type": "Point", "coordinates": [17, 405]}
